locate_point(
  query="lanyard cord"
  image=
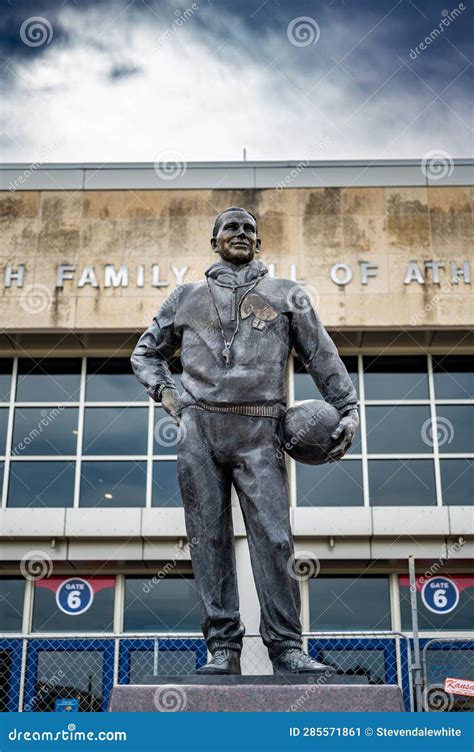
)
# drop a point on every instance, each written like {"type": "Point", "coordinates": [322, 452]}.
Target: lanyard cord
{"type": "Point", "coordinates": [228, 344]}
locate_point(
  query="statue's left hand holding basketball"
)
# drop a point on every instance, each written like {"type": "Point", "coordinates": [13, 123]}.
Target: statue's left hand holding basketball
{"type": "Point", "coordinates": [344, 433]}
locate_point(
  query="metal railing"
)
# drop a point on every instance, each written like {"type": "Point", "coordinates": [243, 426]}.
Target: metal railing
{"type": "Point", "coordinates": [42, 671]}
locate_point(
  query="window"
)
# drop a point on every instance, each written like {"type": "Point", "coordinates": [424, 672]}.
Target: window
{"type": "Point", "coordinates": [3, 429]}
{"type": "Point", "coordinates": [459, 606]}
{"type": "Point", "coordinates": [113, 484]}
{"type": "Point", "coordinates": [349, 603]}
{"type": "Point", "coordinates": [58, 608]}
{"type": "Point", "coordinates": [89, 412]}
{"type": "Point", "coordinates": [453, 377]}
{"type": "Point", "coordinates": [12, 593]}
{"type": "Point", "coordinates": [388, 377]}
{"type": "Point", "coordinates": [112, 380]}
{"type": "Point", "coordinates": [161, 604]}
{"type": "Point", "coordinates": [401, 483]}
{"type": "Point", "coordinates": [305, 388]}
{"type": "Point", "coordinates": [165, 485]}
{"type": "Point", "coordinates": [455, 428]}
{"type": "Point", "coordinates": [45, 431]}
{"type": "Point", "coordinates": [394, 429]}
{"type": "Point", "coordinates": [337, 484]}
{"type": "Point", "coordinates": [115, 430]}
{"type": "Point", "coordinates": [48, 380]}
{"type": "Point", "coordinates": [83, 431]}
{"type": "Point", "coordinates": [5, 378]}
{"type": "Point", "coordinates": [418, 413]}
{"type": "Point", "coordinates": [457, 481]}
{"type": "Point", "coordinates": [41, 484]}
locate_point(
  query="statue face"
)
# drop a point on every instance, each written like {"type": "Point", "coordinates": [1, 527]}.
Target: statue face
{"type": "Point", "coordinates": [236, 239]}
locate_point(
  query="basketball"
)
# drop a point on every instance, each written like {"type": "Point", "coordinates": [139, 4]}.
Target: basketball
{"type": "Point", "coordinates": [307, 429]}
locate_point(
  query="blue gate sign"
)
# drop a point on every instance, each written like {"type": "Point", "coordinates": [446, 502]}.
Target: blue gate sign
{"type": "Point", "coordinates": [63, 705]}
{"type": "Point", "coordinates": [74, 596]}
{"type": "Point", "coordinates": [440, 595]}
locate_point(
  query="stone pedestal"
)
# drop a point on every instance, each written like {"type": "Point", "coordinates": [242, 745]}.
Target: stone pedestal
{"type": "Point", "coordinates": [257, 694]}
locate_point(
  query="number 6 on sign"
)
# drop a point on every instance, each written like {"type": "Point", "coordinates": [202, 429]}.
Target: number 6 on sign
{"type": "Point", "coordinates": [440, 595]}
{"type": "Point", "coordinates": [74, 596]}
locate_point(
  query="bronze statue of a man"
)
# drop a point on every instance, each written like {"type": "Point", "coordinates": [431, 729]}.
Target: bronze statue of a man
{"type": "Point", "coordinates": [235, 331]}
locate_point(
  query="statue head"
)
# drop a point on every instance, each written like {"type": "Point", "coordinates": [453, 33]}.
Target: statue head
{"type": "Point", "coordinates": [234, 236]}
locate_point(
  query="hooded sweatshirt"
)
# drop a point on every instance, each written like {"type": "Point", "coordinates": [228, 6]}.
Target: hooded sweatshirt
{"type": "Point", "coordinates": [262, 318]}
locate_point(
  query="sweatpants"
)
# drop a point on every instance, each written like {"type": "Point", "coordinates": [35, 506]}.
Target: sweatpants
{"type": "Point", "coordinates": [216, 451]}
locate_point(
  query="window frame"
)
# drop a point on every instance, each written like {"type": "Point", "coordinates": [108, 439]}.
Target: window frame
{"type": "Point", "coordinates": [436, 454]}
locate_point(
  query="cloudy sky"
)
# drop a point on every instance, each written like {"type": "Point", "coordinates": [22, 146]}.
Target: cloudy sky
{"type": "Point", "coordinates": [151, 80]}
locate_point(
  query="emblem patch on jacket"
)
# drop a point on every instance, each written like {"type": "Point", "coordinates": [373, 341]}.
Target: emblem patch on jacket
{"type": "Point", "coordinates": [261, 310]}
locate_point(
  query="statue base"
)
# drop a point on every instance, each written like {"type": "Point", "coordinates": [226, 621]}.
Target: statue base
{"type": "Point", "coordinates": [257, 694]}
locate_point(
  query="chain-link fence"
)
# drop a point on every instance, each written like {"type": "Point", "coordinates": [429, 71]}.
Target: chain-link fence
{"type": "Point", "coordinates": [448, 674]}
{"type": "Point", "coordinates": [50, 672]}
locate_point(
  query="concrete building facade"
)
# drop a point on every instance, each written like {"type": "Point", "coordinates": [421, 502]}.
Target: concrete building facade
{"type": "Point", "coordinates": [87, 461]}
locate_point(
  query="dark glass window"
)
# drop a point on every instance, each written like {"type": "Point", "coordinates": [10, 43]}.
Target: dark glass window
{"type": "Point", "coordinates": [453, 376]}
{"type": "Point", "coordinates": [401, 483]}
{"type": "Point", "coordinates": [392, 377]}
{"type": "Point", "coordinates": [115, 430]}
{"type": "Point", "coordinates": [459, 618]}
{"type": "Point", "coordinates": [98, 616]}
{"type": "Point", "coordinates": [165, 484]}
{"type": "Point", "coordinates": [305, 388]}
{"type": "Point", "coordinates": [113, 484]}
{"type": "Point", "coordinates": [457, 482]}
{"type": "Point", "coordinates": [338, 484]}
{"type": "Point", "coordinates": [48, 380]}
{"type": "Point", "coordinates": [159, 603]}
{"type": "Point", "coordinates": [165, 433]}
{"type": "Point", "coordinates": [455, 425]}
{"type": "Point", "coordinates": [69, 675]}
{"type": "Point", "coordinates": [3, 429]}
{"type": "Point", "coordinates": [5, 378]}
{"type": "Point", "coordinates": [393, 430]}
{"type": "Point", "coordinates": [112, 380]}
{"type": "Point", "coordinates": [44, 430]}
{"type": "Point", "coordinates": [12, 592]}
{"type": "Point", "coordinates": [41, 484]}
{"type": "Point", "coordinates": [349, 603]}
